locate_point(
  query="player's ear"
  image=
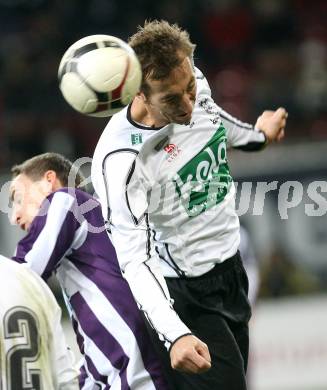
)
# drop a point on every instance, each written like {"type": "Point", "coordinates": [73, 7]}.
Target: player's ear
{"type": "Point", "coordinates": [50, 177]}
{"type": "Point", "coordinates": [140, 95]}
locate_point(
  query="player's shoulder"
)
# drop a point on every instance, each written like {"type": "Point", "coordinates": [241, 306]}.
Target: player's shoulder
{"type": "Point", "coordinates": [20, 276]}
{"type": "Point", "coordinates": [67, 197]}
{"type": "Point", "coordinates": [64, 195]}
{"type": "Point", "coordinates": [203, 87]}
{"type": "Point", "coordinates": [119, 145]}
{"type": "Point", "coordinates": [122, 135]}
{"type": "Point", "coordinates": [114, 134]}
{"type": "Point", "coordinates": [198, 73]}
{"type": "Point", "coordinates": [7, 264]}
{"type": "Point", "coordinates": [74, 194]}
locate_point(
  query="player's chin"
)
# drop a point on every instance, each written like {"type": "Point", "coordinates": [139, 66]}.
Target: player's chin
{"type": "Point", "coordinates": [183, 119]}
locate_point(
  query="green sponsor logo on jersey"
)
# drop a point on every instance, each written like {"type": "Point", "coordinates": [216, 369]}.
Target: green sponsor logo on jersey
{"type": "Point", "coordinates": [205, 180]}
{"type": "Point", "coordinates": [136, 139]}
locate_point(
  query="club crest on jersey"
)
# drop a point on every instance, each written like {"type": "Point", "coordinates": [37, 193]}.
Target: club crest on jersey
{"type": "Point", "coordinates": [172, 150]}
{"type": "Point", "coordinates": [136, 139]}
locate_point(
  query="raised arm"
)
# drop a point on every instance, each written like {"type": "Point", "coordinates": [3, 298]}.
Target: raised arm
{"type": "Point", "coordinates": [269, 127]}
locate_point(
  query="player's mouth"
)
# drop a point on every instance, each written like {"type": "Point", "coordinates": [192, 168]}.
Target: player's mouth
{"type": "Point", "coordinates": [23, 226]}
{"type": "Point", "coordinates": [184, 118]}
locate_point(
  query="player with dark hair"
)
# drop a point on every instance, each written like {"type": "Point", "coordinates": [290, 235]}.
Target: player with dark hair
{"type": "Point", "coordinates": [33, 352]}
{"type": "Point", "coordinates": [35, 168]}
{"type": "Point", "coordinates": [161, 172]}
{"type": "Point", "coordinates": [66, 236]}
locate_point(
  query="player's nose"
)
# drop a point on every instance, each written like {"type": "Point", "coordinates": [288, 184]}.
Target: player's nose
{"type": "Point", "coordinates": [188, 104]}
{"type": "Point", "coordinates": [15, 217]}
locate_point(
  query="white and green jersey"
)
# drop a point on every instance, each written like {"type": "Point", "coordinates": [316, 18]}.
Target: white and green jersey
{"type": "Point", "coordinates": [168, 197]}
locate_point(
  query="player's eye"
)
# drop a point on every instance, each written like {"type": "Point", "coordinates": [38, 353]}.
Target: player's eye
{"type": "Point", "coordinates": [191, 87]}
{"type": "Point", "coordinates": [171, 99]}
{"type": "Point", "coordinates": [17, 200]}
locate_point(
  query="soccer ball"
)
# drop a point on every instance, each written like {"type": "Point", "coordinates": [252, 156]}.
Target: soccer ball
{"type": "Point", "coordinates": [99, 75]}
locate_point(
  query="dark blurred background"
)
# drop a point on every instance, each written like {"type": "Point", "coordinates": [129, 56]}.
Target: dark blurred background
{"type": "Point", "coordinates": [256, 54]}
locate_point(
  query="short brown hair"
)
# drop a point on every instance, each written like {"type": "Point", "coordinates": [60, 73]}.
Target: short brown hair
{"type": "Point", "coordinates": [37, 166]}
{"type": "Point", "coordinates": [160, 47]}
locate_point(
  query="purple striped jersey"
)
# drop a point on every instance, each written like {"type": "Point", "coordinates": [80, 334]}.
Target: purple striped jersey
{"type": "Point", "coordinates": [68, 237]}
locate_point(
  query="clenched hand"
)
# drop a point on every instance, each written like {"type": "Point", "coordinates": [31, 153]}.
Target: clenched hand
{"type": "Point", "coordinates": [190, 354]}
{"type": "Point", "coordinates": [273, 123]}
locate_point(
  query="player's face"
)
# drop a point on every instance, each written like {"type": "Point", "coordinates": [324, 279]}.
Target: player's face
{"type": "Point", "coordinates": [172, 100]}
{"type": "Point", "coordinates": [27, 196]}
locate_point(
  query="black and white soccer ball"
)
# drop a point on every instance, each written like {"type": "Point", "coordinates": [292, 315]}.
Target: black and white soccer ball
{"type": "Point", "coordinates": [99, 75]}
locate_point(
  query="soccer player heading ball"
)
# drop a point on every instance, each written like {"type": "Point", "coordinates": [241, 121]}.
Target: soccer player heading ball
{"type": "Point", "coordinates": [161, 171]}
